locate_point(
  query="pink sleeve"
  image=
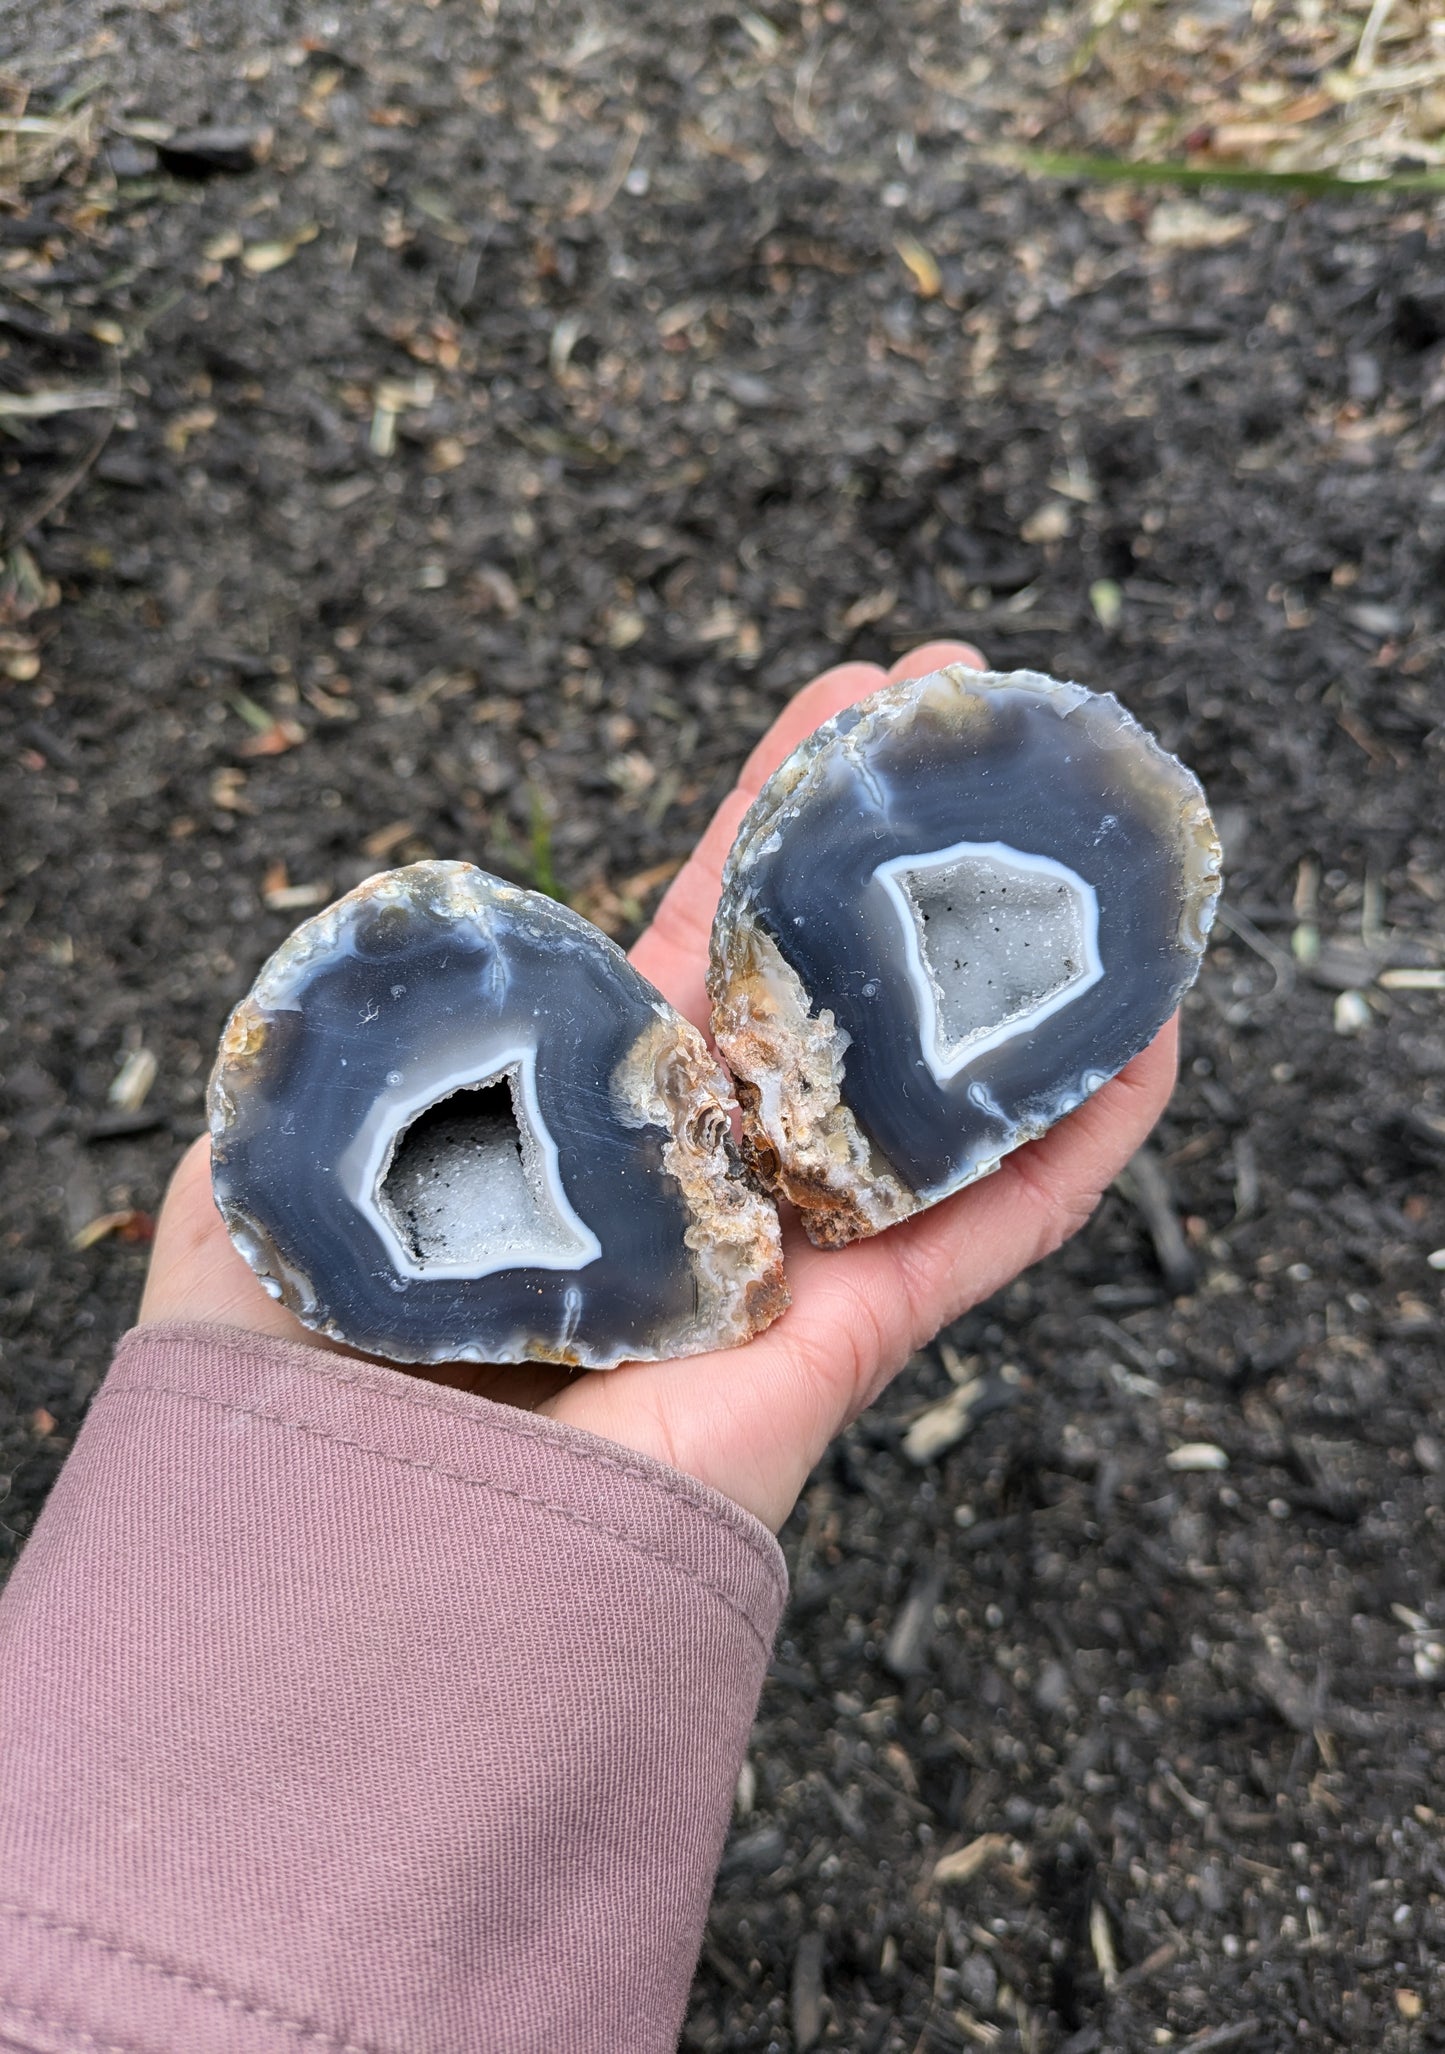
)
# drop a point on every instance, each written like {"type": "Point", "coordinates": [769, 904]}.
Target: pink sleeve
{"type": "Point", "coordinates": [341, 1713]}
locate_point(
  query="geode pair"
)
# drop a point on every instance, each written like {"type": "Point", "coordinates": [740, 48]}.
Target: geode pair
{"type": "Point", "coordinates": [452, 1122]}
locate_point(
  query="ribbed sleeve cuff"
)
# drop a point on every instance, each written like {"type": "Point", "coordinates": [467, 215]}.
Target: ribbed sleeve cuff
{"type": "Point", "coordinates": [342, 1713]}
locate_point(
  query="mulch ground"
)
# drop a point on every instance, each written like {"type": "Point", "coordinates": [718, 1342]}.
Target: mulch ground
{"type": "Point", "coordinates": [486, 466]}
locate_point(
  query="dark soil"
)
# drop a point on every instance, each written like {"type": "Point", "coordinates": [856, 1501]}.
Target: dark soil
{"type": "Point", "coordinates": [594, 412]}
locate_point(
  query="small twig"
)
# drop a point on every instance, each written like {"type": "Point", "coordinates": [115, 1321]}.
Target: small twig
{"type": "Point", "coordinates": [1146, 1183]}
{"type": "Point", "coordinates": [61, 490]}
{"type": "Point", "coordinates": [1215, 2039]}
{"type": "Point", "coordinates": [937, 1991]}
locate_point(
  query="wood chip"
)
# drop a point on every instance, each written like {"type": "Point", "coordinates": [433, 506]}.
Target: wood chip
{"type": "Point", "coordinates": [275, 740]}
{"type": "Point", "coordinates": [261, 257]}
{"type": "Point", "coordinates": [873, 606]}
{"type": "Point", "coordinates": [1185, 225]}
{"type": "Point", "coordinates": [279, 895]}
{"type": "Point", "coordinates": [1101, 1943]}
{"type": "Point", "coordinates": [943, 1425]}
{"type": "Point", "coordinates": [1411, 980]}
{"type": "Point", "coordinates": [922, 266]}
{"type": "Point", "coordinates": [1196, 1457]}
{"type": "Point", "coordinates": [1352, 1013]}
{"type": "Point", "coordinates": [673, 320]}
{"type": "Point", "coordinates": [181, 427]}
{"type": "Point", "coordinates": [227, 789]}
{"type": "Point", "coordinates": [967, 1862]}
{"type": "Point", "coordinates": [383, 840]}
{"type": "Point", "coordinates": [645, 881]}
{"type": "Point", "coordinates": [131, 1085]}
{"type": "Point", "coordinates": [1053, 521]}
{"type": "Point", "coordinates": [807, 1992]}
{"type": "Point", "coordinates": [297, 897]}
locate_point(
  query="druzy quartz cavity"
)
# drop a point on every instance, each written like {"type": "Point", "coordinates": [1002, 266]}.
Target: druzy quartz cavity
{"type": "Point", "coordinates": [954, 912]}
{"type": "Point", "coordinates": [451, 1122]}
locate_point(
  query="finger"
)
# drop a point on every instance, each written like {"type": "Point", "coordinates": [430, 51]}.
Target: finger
{"type": "Point", "coordinates": [673, 950]}
{"type": "Point", "coordinates": [860, 1314]}
{"type": "Point", "coordinates": [825, 695]}
{"type": "Point", "coordinates": [935, 656]}
{"type": "Point", "coordinates": [923, 1274]}
{"type": "Point", "coordinates": [754, 1421]}
{"type": "Point", "coordinates": [195, 1273]}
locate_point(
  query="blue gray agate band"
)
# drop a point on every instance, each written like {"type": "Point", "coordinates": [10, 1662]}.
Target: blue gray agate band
{"type": "Point", "coordinates": [954, 912]}
{"type": "Point", "coordinates": [450, 1122]}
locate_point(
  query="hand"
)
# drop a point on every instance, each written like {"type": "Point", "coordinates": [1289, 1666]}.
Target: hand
{"type": "Point", "coordinates": [752, 1421]}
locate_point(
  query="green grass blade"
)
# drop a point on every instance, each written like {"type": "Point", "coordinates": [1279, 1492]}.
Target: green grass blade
{"type": "Point", "coordinates": [1241, 177]}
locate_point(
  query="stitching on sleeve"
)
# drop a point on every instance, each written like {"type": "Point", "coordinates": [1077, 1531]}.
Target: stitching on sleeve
{"type": "Point", "coordinates": [476, 1483]}
{"type": "Point", "coordinates": [301, 2028]}
{"type": "Point", "coordinates": [517, 1427]}
{"type": "Point", "coordinates": [66, 2026]}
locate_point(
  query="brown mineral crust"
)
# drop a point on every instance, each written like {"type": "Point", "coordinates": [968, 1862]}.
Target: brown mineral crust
{"type": "Point", "coordinates": [799, 1138]}
{"type": "Point", "coordinates": [829, 1218]}
{"type": "Point", "coordinates": [243, 1047]}
{"type": "Point", "coordinates": [757, 1151]}
{"type": "Point", "coordinates": [669, 1079]}
{"type": "Point", "coordinates": [541, 1350]}
{"type": "Point", "coordinates": [765, 1299]}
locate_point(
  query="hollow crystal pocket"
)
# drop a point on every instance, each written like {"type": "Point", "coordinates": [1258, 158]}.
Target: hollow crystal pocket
{"type": "Point", "coordinates": [954, 912]}
{"type": "Point", "coordinates": [451, 1122]}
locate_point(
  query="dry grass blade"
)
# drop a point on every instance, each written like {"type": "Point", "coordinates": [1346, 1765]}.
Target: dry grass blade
{"type": "Point", "coordinates": [35, 149]}
{"type": "Point", "coordinates": [54, 399]}
{"type": "Point", "coordinates": [1315, 101]}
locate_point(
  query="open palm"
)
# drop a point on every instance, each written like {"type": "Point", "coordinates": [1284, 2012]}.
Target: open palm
{"type": "Point", "coordinates": [752, 1421]}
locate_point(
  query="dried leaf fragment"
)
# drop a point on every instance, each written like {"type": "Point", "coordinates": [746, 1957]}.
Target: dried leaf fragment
{"type": "Point", "coordinates": [275, 740]}
{"type": "Point", "coordinates": [130, 1225]}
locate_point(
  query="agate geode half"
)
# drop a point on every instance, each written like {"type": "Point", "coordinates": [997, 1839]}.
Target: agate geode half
{"type": "Point", "coordinates": [954, 912]}
{"type": "Point", "coordinates": [451, 1122]}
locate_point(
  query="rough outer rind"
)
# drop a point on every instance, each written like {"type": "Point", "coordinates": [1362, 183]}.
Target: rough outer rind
{"type": "Point", "coordinates": [821, 1076]}
{"type": "Point", "coordinates": [669, 1080]}
{"type": "Point", "coordinates": [792, 1061]}
{"type": "Point", "coordinates": [691, 1249]}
